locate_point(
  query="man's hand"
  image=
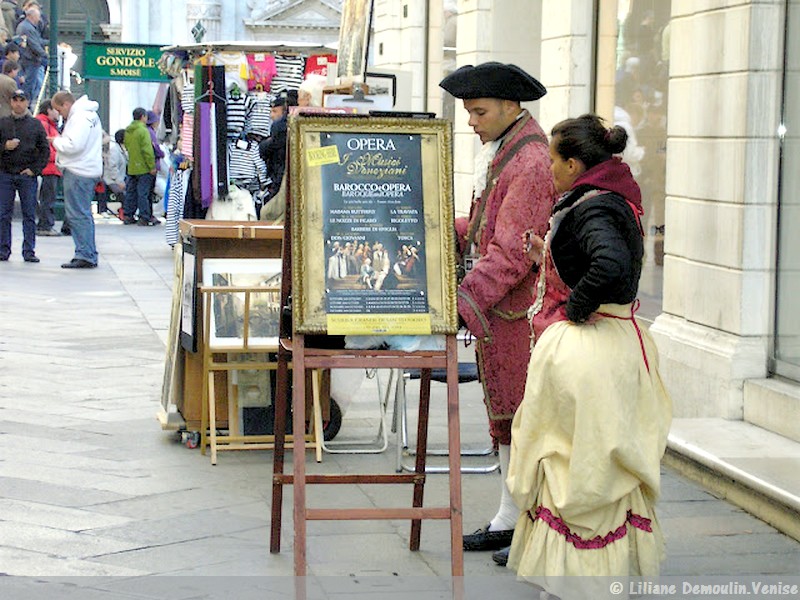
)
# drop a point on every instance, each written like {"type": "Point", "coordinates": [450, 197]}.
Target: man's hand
{"type": "Point", "coordinates": [12, 144]}
{"type": "Point", "coordinates": [153, 171]}
{"type": "Point", "coordinates": [27, 172]}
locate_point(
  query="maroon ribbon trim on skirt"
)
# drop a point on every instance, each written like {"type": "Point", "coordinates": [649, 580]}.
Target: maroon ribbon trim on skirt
{"type": "Point", "coordinates": [598, 542]}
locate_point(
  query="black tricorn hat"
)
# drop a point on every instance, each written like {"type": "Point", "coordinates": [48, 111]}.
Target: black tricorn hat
{"type": "Point", "coordinates": [493, 80]}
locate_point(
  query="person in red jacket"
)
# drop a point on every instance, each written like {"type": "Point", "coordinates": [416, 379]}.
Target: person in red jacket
{"type": "Point", "coordinates": [513, 193]}
{"type": "Point", "coordinates": [48, 117]}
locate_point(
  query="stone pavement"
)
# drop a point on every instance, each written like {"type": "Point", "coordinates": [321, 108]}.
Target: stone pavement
{"type": "Point", "coordinates": [91, 486]}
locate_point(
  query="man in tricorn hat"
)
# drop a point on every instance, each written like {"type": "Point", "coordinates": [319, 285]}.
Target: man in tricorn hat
{"type": "Point", "coordinates": [513, 194]}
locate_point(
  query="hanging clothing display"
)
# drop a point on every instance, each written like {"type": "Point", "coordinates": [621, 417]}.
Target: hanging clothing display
{"type": "Point", "coordinates": [210, 89]}
{"type": "Point", "coordinates": [178, 181]}
{"type": "Point", "coordinates": [319, 64]}
{"type": "Point", "coordinates": [247, 168]}
{"type": "Point", "coordinates": [260, 118]}
{"type": "Point", "coordinates": [238, 104]}
{"type": "Point", "coordinates": [205, 142]}
{"type": "Point", "coordinates": [214, 110]}
{"type": "Point", "coordinates": [236, 68]}
{"type": "Point", "coordinates": [187, 96]}
{"type": "Point", "coordinates": [262, 69]}
{"type": "Point", "coordinates": [290, 73]}
{"type": "Point", "coordinates": [187, 135]}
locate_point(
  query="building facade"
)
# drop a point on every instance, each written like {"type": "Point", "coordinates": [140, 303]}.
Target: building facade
{"type": "Point", "coordinates": [710, 89]}
{"type": "Point", "coordinates": [171, 23]}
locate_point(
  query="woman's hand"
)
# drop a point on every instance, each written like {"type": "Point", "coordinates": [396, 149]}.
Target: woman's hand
{"type": "Point", "coordinates": [533, 246]}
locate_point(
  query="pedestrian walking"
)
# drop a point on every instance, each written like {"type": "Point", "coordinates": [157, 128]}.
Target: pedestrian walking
{"type": "Point", "coordinates": [24, 152]}
{"type": "Point", "coordinates": [141, 170]}
{"type": "Point", "coordinates": [80, 158]}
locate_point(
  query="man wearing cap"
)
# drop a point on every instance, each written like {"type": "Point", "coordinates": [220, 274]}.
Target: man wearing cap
{"type": "Point", "coordinates": [80, 158]}
{"type": "Point", "coordinates": [513, 193]}
{"type": "Point", "coordinates": [273, 148]}
{"type": "Point", "coordinates": [141, 170]}
{"type": "Point", "coordinates": [24, 152]}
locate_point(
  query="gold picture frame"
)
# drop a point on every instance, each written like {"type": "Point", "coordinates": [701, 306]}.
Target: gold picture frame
{"type": "Point", "coordinates": [377, 188]}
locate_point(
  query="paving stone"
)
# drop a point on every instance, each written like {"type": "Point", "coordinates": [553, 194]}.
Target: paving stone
{"type": "Point", "coordinates": [715, 525]}
{"type": "Point", "coordinates": [46, 492]}
{"type": "Point", "coordinates": [198, 525]}
{"type": "Point", "coordinates": [725, 546]}
{"type": "Point", "coordinates": [59, 543]}
{"type": "Point", "coordinates": [747, 563]}
{"type": "Point", "coordinates": [56, 517]}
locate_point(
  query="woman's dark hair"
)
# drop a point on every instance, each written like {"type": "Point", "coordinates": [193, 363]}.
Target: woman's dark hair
{"type": "Point", "coordinates": [44, 106]}
{"type": "Point", "coordinates": [587, 139]}
{"type": "Point", "coordinates": [119, 136]}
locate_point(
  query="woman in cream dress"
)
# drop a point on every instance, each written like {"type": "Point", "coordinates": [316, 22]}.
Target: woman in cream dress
{"type": "Point", "coordinates": [588, 438]}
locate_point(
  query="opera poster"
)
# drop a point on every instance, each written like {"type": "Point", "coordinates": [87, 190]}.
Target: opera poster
{"type": "Point", "coordinates": [375, 210]}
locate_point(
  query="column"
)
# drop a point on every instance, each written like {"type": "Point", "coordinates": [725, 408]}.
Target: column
{"type": "Point", "coordinates": [722, 165]}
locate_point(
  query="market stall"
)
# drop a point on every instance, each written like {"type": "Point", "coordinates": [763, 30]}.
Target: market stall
{"type": "Point", "coordinates": [216, 111]}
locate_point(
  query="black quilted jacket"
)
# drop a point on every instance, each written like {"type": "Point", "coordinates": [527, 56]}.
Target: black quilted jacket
{"type": "Point", "coordinates": [597, 249]}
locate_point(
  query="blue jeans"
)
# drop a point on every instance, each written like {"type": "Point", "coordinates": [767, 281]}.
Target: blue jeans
{"type": "Point", "coordinates": [47, 199]}
{"type": "Point", "coordinates": [137, 195]}
{"type": "Point", "coordinates": [33, 83]}
{"type": "Point", "coordinates": [26, 186]}
{"type": "Point", "coordinates": [78, 196]}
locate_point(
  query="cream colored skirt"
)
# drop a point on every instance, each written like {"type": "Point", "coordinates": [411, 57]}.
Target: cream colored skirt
{"type": "Point", "coordinates": [586, 447]}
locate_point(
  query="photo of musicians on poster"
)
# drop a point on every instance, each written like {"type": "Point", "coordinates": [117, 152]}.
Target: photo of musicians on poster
{"type": "Point", "coordinates": [373, 224]}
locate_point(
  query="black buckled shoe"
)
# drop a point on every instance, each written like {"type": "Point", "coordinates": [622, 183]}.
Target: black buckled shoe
{"type": "Point", "coordinates": [501, 556]}
{"type": "Point", "coordinates": [31, 258]}
{"type": "Point", "coordinates": [483, 539]}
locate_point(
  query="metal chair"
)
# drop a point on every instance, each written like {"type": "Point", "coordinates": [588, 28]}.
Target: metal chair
{"type": "Point", "coordinates": [381, 440]}
{"type": "Point", "coordinates": [467, 372]}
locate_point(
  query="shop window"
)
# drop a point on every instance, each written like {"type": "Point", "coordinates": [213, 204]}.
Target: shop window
{"type": "Point", "coordinates": [786, 353]}
{"type": "Point", "coordinates": [450, 21]}
{"type": "Point", "coordinates": [632, 76]}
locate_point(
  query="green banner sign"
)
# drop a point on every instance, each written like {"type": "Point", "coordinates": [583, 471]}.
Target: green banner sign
{"type": "Point", "coordinates": [122, 62]}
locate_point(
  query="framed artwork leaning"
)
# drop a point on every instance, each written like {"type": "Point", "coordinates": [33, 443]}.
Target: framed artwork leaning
{"type": "Point", "coordinates": [189, 297]}
{"type": "Point", "coordinates": [256, 279]}
{"type": "Point", "coordinates": [372, 225]}
{"type": "Point", "coordinates": [354, 37]}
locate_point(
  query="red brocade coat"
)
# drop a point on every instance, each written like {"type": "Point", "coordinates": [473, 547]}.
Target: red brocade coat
{"type": "Point", "coordinates": [494, 297]}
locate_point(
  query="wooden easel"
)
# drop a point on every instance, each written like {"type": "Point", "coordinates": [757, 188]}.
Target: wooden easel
{"type": "Point", "coordinates": [305, 359]}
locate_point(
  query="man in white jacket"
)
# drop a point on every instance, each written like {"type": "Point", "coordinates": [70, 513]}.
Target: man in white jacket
{"type": "Point", "coordinates": [80, 158]}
